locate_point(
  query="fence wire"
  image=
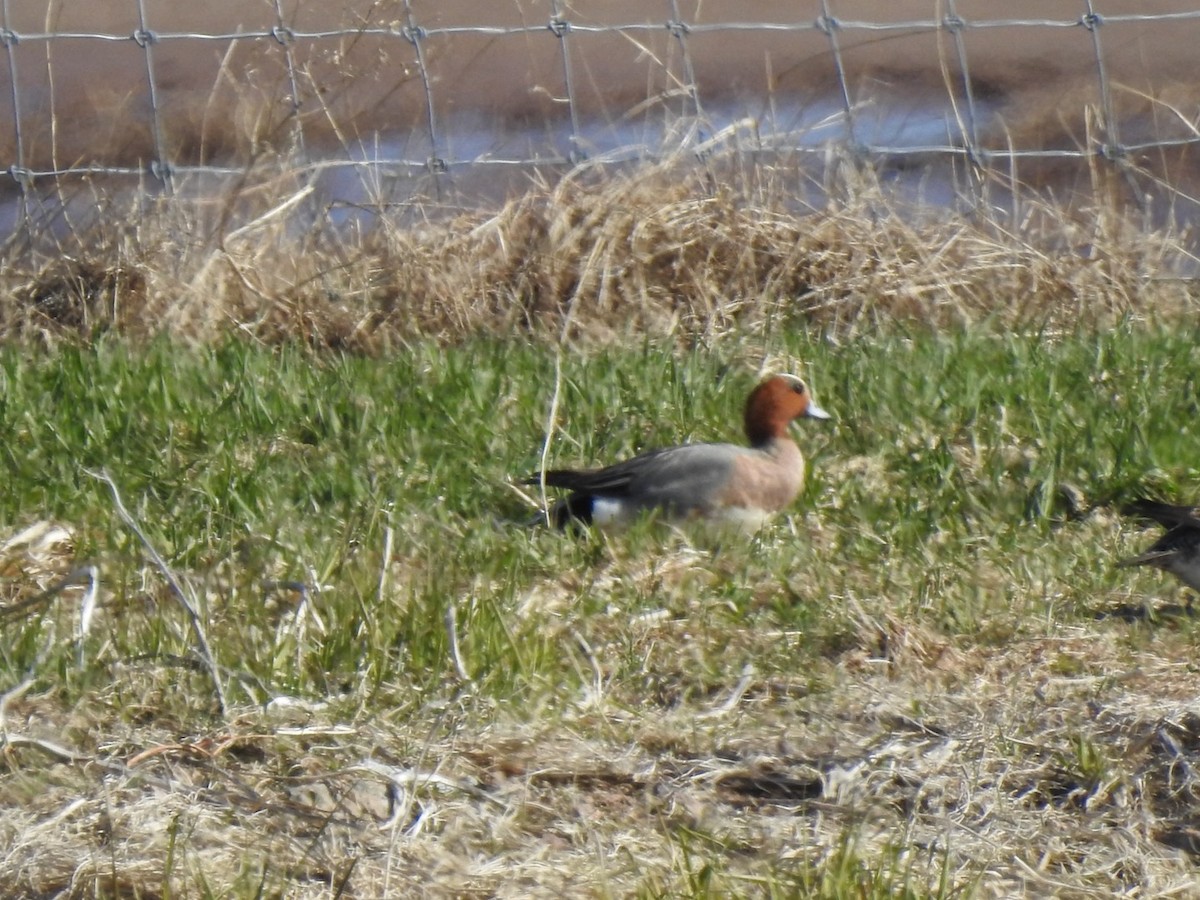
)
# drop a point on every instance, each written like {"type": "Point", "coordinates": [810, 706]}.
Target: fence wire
{"type": "Point", "coordinates": [564, 31]}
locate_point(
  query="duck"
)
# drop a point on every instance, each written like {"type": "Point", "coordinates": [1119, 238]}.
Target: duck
{"type": "Point", "coordinates": [1176, 551]}
{"type": "Point", "coordinates": [730, 483]}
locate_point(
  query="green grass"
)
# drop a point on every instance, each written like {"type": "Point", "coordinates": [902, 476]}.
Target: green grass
{"type": "Point", "coordinates": [934, 487]}
{"type": "Point", "coordinates": [932, 502]}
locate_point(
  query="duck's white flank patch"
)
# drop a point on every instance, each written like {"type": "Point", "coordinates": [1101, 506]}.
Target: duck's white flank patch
{"type": "Point", "coordinates": [608, 510]}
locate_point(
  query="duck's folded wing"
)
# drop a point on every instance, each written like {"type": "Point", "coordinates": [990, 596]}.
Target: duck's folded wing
{"type": "Point", "coordinates": [677, 474]}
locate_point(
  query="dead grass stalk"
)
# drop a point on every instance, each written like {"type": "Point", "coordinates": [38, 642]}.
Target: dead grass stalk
{"type": "Point", "coordinates": [679, 248]}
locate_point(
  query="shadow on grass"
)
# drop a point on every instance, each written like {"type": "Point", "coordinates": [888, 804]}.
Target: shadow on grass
{"type": "Point", "coordinates": [1146, 612]}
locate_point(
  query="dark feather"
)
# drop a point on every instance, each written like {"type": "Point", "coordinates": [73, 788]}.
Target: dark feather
{"type": "Point", "coordinates": [1176, 551]}
{"type": "Point", "coordinates": [1169, 515]}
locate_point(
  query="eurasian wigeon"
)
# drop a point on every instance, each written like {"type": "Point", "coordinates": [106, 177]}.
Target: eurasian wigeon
{"type": "Point", "coordinates": [743, 485]}
{"type": "Point", "coordinates": [1177, 551]}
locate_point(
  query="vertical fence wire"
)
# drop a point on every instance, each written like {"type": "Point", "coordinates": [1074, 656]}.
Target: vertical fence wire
{"type": "Point", "coordinates": [830, 26]}
{"type": "Point", "coordinates": [968, 124]}
{"type": "Point", "coordinates": [679, 31]}
{"type": "Point", "coordinates": [160, 168]}
{"type": "Point", "coordinates": [415, 35]}
{"type": "Point", "coordinates": [17, 171]}
{"type": "Point", "coordinates": [1092, 21]}
{"type": "Point", "coordinates": [1112, 149]}
{"type": "Point", "coordinates": [954, 23]}
{"type": "Point", "coordinates": [286, 38]}
{"type": "Point", "coordinates": [560, 27]}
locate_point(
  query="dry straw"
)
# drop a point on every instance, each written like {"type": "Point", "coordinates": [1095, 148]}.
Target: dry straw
{"type": "Point", "coordinates": [681, 249]}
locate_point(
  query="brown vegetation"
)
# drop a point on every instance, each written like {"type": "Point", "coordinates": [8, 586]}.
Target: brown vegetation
{"type": "Point", "coordinates": [656, 250]}
{"type": "Point", "coordinates": [1041, 763]}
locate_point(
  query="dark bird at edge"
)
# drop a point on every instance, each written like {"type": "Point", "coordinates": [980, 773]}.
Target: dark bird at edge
{"type": "Point", "coordinates": [1178, 550]}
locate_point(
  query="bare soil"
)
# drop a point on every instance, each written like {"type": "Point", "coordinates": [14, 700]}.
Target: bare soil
{"type": "Point", "coordinates": [85, 100]}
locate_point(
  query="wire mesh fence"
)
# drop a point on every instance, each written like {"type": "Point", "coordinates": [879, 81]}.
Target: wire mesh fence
{"type": "Point", "coordinates": [426, 96]}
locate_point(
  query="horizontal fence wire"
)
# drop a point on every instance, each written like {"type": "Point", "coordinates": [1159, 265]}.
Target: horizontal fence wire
{"type": "Point", "coordinates": [564, 31]}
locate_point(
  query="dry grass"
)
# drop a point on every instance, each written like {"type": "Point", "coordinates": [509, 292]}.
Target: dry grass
{"type": "Point", "coordinates": [1056, 762]}
{"type": "Point", "coordinates": [659, 250]}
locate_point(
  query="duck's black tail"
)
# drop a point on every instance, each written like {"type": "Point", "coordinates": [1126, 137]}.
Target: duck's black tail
{"type": "Point", "coordinates": [1169, 515]}
{"type": "Point", "coordinates": [575, 511]}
